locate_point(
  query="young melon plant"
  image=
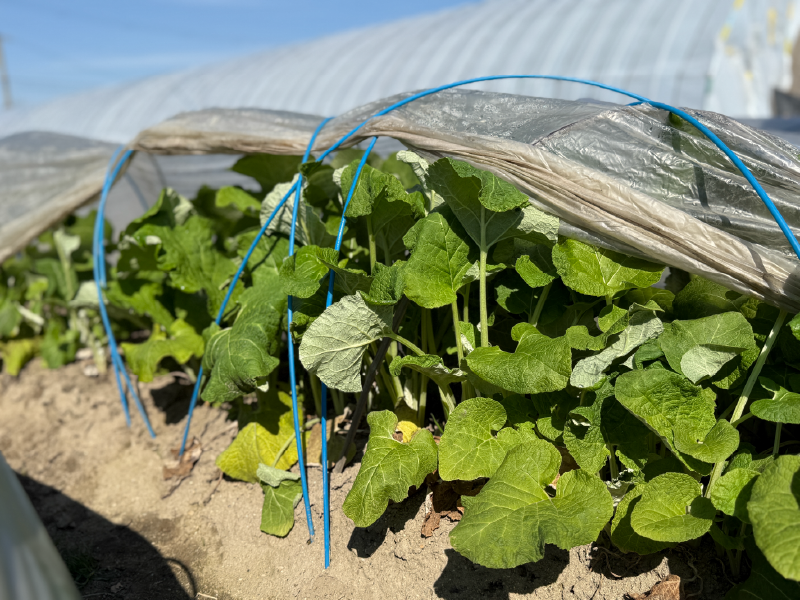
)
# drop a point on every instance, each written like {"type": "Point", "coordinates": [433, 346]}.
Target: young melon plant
{"type": "Point", "coordinates": [578, 392]}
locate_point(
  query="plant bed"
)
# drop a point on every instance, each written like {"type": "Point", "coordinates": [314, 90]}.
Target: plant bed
{"type": "Point", "coordinates": [99, 488]}
{"type": "Point", "coordinates": [558, 394]}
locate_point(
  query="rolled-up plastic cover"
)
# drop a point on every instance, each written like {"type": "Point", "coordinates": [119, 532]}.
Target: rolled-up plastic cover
{"type": "Point", "coordinates": [630, 178]}
{"type": "Point", "coordinates": [30, 566]}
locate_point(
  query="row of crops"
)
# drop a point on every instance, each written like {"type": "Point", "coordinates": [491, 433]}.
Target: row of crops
{"type": "Point", "coordinates": [578, 399]}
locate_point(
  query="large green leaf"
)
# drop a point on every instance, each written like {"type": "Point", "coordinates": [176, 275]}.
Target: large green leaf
{"type": "Point", "coordinates": [665, 402]}
{"type": "Point", "coordinates": [440, 257]}
{"type": "Point", "coordinates": [672, 509]}
{"type": "Point", "coordinates": [701, 347]}
{"type": "Point", "coordinates": [622, 534]}
{"type": "Point", "coordinates": [240, 357]}
{"type": "Point", "coordinates": [372, 187]}
{"type": "Point", "coordinates": [602, 422]}
{"type": "Point", "coordinates": [643, 325]}
{"type": "Point", "coordinates": [309, 229]}
{"type": "Point", "coordinates": [703, 298]}
{"type": "Point", "coordinates": [387, 284]}
{"type": "Point", "coordinates": [774, 510]}
{"type": "Point", "coordinates": [301, 273]}
{"type": "Point", "coordinates": [388, 469]}
{"type": "Point", "coordinates": [141, 295]}
{"type": "Point", "coordinates": [764, 583]}
{"type": "Point", "coordinates": [334, 344]}
{"type": "Point", "coordinates": [731, 493]}
{"type": "Point", "coordinates": [282, 492]}
{"type": "Point", "coordinates": [180, 341]}
{"type": "Point", "coordinates": [486, 206]}
{"type": "Point", "coordinates": [512, 518]}
{"type": "Point", "coordinates": [539, 364]}
{"type": "Point", "coordinates": [227, 196]}
{"type": "Point", "coordinates": [783, 407]}
{"type": "Point", "coordinates": [468, 449]}
{"type": "Point", "coordinates": [596, 271]}
{"type": "Point", "coordinates": [715, 446]}
{"type": "Point", "coordinates": [268, 169]}
{"type": "Point", "coordinates": [184, 249]}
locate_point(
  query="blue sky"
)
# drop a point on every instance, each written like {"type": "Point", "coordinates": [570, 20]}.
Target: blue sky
{"type": "Point", "coordinates": [57, 47]}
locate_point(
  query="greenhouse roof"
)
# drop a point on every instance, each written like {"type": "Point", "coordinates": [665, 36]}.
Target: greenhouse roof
{"type": "Point", "coordinates": [721, 55]}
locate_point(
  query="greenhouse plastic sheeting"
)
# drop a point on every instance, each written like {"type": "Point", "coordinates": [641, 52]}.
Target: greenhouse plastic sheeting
{"type": "Point", "coordinates": [30, 566]}
{"type": "Point", "coordinates": [631, 178]}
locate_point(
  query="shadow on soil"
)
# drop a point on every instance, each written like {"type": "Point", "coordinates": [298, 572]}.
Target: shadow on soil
{"type": "Point", "coordinates": [107, 560]}
{"type": "Point", "coordinates": [173, 400]}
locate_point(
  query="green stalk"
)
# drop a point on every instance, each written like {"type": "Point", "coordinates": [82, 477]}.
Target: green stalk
{"type": "Point", "coordinates": [748, 388]}
{"type": "Point", "coordinates": [482, 289]}
{"type": "Point", "coordinates": [406, 343]}
{"type": "Point", "coordinates": [422, 394]}
{"type": "Point", "coordinates": [612, 463]}
{"type": "Point", "coordinates": [338, 401]}
{"type": "Point", "coordinates": [290, 440]}
{"type": "Point", "coordinates": [457, 331]}
{"type": "Point", "coordinates": [465, 318]}
{"type": "Point", "coordinates": [777, 444]}
{"type": "Point", "coordinates": [316, 391]}
{"type": "Point", "coordinates": [372, 248]}
{"type": "Point", "coordinates": [534, 320]}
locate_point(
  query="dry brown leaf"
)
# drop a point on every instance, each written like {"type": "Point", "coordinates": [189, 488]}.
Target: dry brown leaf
{"type": "Point", "coordinates": [180, 467]}
{"type": "Point", "coordinates": [669, 589]}
{"type": "Point", "coordinates": [444, 501]}
{"type": "Point", "coordinates": [313, 445]}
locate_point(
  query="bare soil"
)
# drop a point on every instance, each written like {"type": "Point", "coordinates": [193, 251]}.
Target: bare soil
{"type": "Point", "coordinates": [126, 533]}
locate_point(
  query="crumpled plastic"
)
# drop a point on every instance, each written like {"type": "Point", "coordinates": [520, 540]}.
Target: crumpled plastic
{"type": "Point", "coordinates": [631, 178]}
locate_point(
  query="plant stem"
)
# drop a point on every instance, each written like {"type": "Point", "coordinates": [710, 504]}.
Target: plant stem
{"type": "Point", "coordinates": [612, 463]}
{"type": "Point", "coordinates": [741, 420]}
{"type": "Point", "coordinates": [465, 318]}
{"type": "Point", "coordinates": [483, 308]}
{"type": "Point", "coordinates": [777, 444]}
{"type": "Point", "coordinates": [748, 388]}
{"type": "Point", "coordinates": [317, 393]}
{"type": "Point", "coordinates": [290, 440]}
{"type": "Point", "coordinates": [399, 338]}
{"type": "Point", "coordinates": [457, 331]}
{"type": "Point", "coordinates": [338, 401]}
{"type": "Point", "coordinates": [534, 320]}
{"type": "Point", "coordinates": [425, 341]}
{"type": "Point", "coordinates": [372, 250]}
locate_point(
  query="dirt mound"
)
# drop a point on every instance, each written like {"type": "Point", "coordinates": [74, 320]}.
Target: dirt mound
{"type": "Point", "coordinates": [127, 533]}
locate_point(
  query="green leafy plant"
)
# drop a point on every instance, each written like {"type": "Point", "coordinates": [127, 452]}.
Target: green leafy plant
{"type": "Point", "coordinates": [584, 395]}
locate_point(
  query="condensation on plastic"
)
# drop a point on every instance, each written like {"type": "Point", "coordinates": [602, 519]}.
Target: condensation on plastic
{"type": "Point", "coordinates": [630, 178]}
{"type": "Point", "coordinates": [30, 566]}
